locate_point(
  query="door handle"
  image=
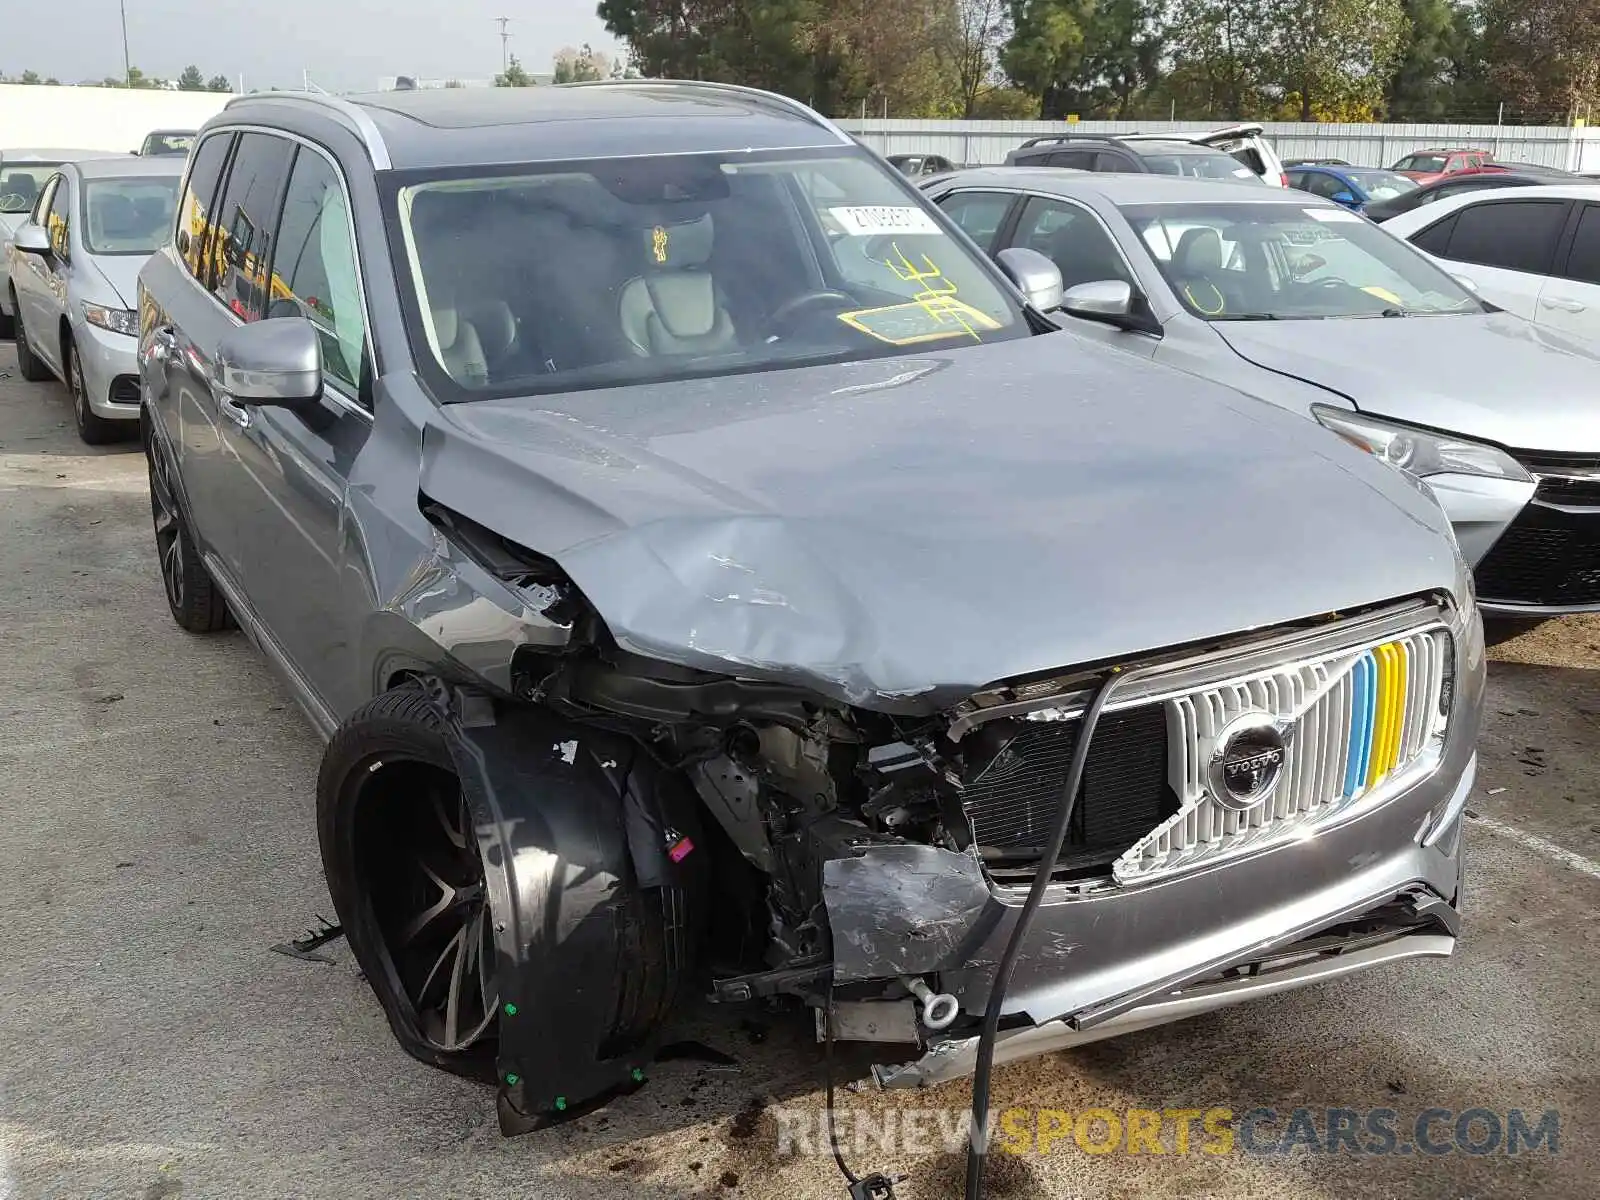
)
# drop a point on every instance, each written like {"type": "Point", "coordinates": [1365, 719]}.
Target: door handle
{"type": "Point", "coordinates": [233, 410]}
{"type": "Point", "coordinates": [1571, 306]}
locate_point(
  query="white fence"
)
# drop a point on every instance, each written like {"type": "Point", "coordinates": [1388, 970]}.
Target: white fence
{"type": "Point", "coordinates": [96, 118]}
{"type": "Point", "coordinates": [985, 143]}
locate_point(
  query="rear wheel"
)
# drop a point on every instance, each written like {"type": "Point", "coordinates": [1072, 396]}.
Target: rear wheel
{"type": "Point", "coordinates": [192, 596]}
{"type": "Point", "coordinates": [93, 429]}
{"type": "Point", "coordinates": [30, 364]}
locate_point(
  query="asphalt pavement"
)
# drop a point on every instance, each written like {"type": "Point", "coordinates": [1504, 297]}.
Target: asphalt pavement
{"type": "Point", "coordinates": [157, 840]}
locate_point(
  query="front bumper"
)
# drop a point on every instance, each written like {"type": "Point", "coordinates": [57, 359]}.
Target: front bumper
{"type": "Point", "coordinates": [110, 366]}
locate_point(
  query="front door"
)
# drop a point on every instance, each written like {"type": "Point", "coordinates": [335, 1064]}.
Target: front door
{"type": "Point", "coordinates": [303, 557]}
{"type": "Point", "coordinates": [1570, 298]}
{"type": "Point", "coordinates": [42, 283]}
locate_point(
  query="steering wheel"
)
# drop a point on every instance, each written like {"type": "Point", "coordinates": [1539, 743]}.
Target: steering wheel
{"type": "Point", "coordinates": [786, 312]}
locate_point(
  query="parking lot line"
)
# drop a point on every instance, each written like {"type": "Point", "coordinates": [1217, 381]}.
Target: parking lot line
{"type": "Point", "coordinates": [1539, 845]}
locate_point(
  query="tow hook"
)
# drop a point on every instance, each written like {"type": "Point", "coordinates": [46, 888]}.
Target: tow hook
{"type": "Point", "coordinates": [939, 1010]}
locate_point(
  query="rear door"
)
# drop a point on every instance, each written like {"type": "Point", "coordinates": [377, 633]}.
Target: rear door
{"type": "Point", "coordinates": [1570, 299]}
{"type": "Point", "coordinates": [1506, 247]}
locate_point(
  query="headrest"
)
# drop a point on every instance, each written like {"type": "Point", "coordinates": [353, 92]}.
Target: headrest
{"type": "Point", "coordinates": [1199, 251]}
{"type": "Point", "coordinates": [679, 246]}
{"type": "Point", "coordinates": [23, 185]}
{"type": "Point", "coordinates": [116, 215]}
{"type": "Point", "coordinates": [446, 323]}
{"type": "Point", "coordinates": [496, 327]}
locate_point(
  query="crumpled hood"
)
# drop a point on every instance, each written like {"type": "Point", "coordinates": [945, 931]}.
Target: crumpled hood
{"type": "Point", "coordinates": [1494, 377]}
{"type": "Point", "coordinates": [899, 532]}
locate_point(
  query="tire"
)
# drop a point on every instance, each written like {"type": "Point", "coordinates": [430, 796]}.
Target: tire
{"type": "Point", "coordinates": [385, 763]}
{"type": "Point", "coordinates": [192, 596]}
{"type": "Point", "coordinates": [30, 364]}
{"type": "Point", "coordinates": [93, 430]}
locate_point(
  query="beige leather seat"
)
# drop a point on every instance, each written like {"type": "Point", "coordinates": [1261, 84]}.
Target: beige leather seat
{"type": "Point", "coordinates": [675, 306]}
{"type": "Point", "coordinates": [459, 345]}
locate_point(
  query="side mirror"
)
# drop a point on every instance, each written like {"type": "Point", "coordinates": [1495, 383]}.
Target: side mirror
{"type": "Point", "coordinates": [1344, 197]}
{"type": "Point", "coordinates": [276, 363]}
{"type": "Point", "coordinates": [1111, 302]}
{"type": "Point", "coordinates": [32, 239]}
{"type": "Point", "coordinates": [1036, 277]}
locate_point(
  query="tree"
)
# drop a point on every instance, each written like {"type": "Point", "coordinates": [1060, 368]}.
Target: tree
{"type": "Point", "coordinates": [977, 30]}
{"type": "Point", "coordinates": [191, 80]}
{"type": "Point", "coordinates": [1338, 54]}
{"type": "Point", "coordinates": [1545, 54]}
{"type": "Point", "coordinates": [514, 76]}
{"type": "Point", "coordinates": [580, 66]}
{"type": "Point", "coordinates": [1122, 52]}
{"type": "Point", "coordinates": [1045, 53]}
{"type": "Point", "coordinates": [29, 77]}
{"type": "Point", "coordinates": [218, 83]}
{"type": "Point", "coordinates": [1218, 52]}
{"type": "Point", "coordinates": [1421, 87]}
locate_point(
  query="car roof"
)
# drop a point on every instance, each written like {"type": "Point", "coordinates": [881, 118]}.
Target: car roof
{"type": "Point", "coordinates": [131, 166]}
{"type": "Point", "coordinates": [1406, 223]}
{"type": "Point", "coordinates": [35, 154]}
{"type": "Point", "coordinates": [446, 127]}
{"type": "Point", "coordinates": [1121, 188]}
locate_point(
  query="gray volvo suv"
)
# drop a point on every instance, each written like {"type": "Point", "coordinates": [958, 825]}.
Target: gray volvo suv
{"type": "Point", "coordinates": [708, 568]}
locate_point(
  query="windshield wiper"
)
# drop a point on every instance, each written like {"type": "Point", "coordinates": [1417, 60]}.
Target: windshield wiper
{"type": "Point", "coordinates": [1260, 316]}
{"type": "Point", "coordinates": [1394, 312]}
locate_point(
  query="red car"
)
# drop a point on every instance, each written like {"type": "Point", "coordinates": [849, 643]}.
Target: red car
{"type": "Point", "coordinates": [1428, 166]}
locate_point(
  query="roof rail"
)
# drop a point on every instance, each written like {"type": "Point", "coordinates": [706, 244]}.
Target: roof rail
{"type": "Point", "coordinates": [1051, 139]}
{"type": "Point", "coordinates": [355, 119]}
{"type": "Point", "coordinates": [776, 99]}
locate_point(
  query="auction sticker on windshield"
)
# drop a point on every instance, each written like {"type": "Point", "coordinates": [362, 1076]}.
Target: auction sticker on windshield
{"type": "Point", "coordinates": [1332, 216]}
{"type": "Point", "coordinates": [879, 219]}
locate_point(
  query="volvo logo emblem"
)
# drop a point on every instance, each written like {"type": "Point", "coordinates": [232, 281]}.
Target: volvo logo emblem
{"type": "Point", "coordinates": [1247, 761]}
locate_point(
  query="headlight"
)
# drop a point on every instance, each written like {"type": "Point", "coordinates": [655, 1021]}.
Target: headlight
{"type": "Point", "coordinates": [1418, 451]}
{"type": "Point", "coordinates": [117, 320]}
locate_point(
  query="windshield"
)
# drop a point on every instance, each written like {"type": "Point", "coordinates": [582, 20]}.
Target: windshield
{"type": "Point", "coordinates": [536, 279]}
{"type": "Point", "coordinates": [167, 143]}
{"type": "Point", "coordinates": [1421, 162]}
{"type": "Point", "coordinates": [128, 216]}
{"type": "Point", "coordinates": [1199, 166]}
{"type": "Point", "coordinates": [1241, 262]}
{"type": "Point", "coordinates": [1382, 185]}
{"type": "Point", "coordinates": [20, 185]}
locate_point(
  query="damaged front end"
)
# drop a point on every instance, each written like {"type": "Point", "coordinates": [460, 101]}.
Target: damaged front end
{"type": "Point", "coordinates": [872, 864]}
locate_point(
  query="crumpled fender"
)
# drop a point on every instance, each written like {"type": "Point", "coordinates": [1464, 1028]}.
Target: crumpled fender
{"type": "Point", "coordinates": [569, 819]}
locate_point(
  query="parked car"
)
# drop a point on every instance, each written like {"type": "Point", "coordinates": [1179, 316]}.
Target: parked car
{"type": "Point", "coordinates": [920, 164]}
{"type": "Point", "coordinates": [74, 268]}
{"type": "Point", "coordinates": [632, 497]}
{"type": "Point", "coordinates": [1294, 300]}
{"type": "Point", "coordinates": [166, 142]}
{"type": "Point", "coordinates": [1103, 152]}
{"type": "Point", "coordinates": [1318, 162]}
{"type": "Point", "coordinates": [22, 174]}
{"type": "Point", "coordinates": [1533, 253]}
{"type": "Point", "coordinates": [1426, 166]}
{"type": "Point", "coordinates": [1353, 187]}
{"type": "Point", "coordinates": [1451, 185]}
{"type": "Point", "coordinates": [1246, 143]}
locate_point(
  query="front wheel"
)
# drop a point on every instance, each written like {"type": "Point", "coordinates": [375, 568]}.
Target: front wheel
{"type": "Point", "coordinates": [30, 364]}
{"type": "Point", "coordinates": [94, 430]}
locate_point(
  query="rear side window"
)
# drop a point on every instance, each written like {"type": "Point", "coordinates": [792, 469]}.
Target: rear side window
{"type": "Point", "coordinates": [1111, 160]}
{"type": "Point", "coordinates": [245, 220]}
{"type": "Point", "coordinates": [1515, 235]}
{"type": "Point", "coordinates": [59, 223]}
{"type": "Point", "coordinates": [978, 213]}
{"type": "Point", "coordinates": [1583, 263]}
{"type": "Point", "coordinates": [1081, 160]}
{"type": "Point", "coordinates": [199, 201]}
{"type": "Point", "coordinates": [1250, 158]}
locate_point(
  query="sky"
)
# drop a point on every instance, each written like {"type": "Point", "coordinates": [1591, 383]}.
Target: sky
{"type": "Point", "coordinates": [344, 45]}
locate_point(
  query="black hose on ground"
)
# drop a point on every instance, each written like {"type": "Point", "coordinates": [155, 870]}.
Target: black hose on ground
{"type": "Point", "coordinates": [978, 1141]}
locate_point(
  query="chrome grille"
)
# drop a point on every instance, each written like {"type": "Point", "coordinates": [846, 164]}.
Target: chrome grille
{"type": "Point", "coordinates": [1360, 724]}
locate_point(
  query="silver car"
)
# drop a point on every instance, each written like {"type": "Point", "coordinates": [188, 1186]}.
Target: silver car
{"type": "Point", "coordinates": [74, 272]}
{"type": "Point", "coordinates": [23, 174]}
{"type": "Point", "coordinates": [1290, 298]}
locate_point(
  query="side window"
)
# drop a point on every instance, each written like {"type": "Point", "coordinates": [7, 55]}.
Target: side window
{"type": "Point", "coordinates": [59, 222]}
{"type": "Point", "coordinates": [1071, 238]}
{"type": "Point", "coordinates": [978, 213]}
{"type": "Point", "coordinates": [1326, 185]}
{"type": "Point", "coordinates": [194, 222]}
{"type": "Point", "coordinates": [1583, 263]}
{"type": "Point", "coordinates": [314, 269]}
{"type": "Point", "coordinates": [1435, 239]}
{"type": "Point", "coordinates": [1111, 160]}
{"type": "Point", "coordinates": [1297, 179]}
{"type": "Point", "coordinates": [246, 218]}
{"type": "Point", "coordinates": [1517, 235]}
{"type": "Point", "coordinates": [41, 204]}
